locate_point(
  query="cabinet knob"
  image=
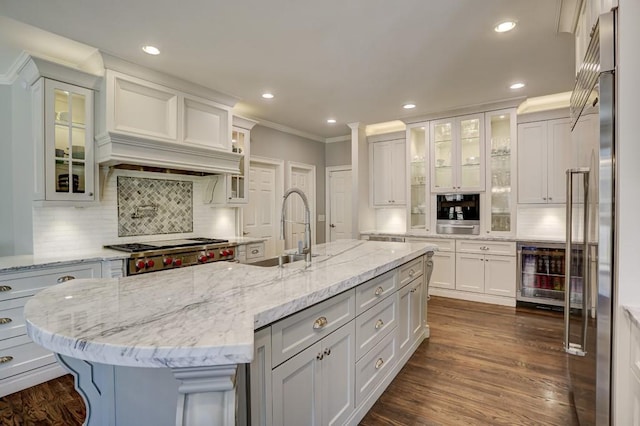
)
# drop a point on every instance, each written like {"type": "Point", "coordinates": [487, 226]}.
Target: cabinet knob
{"type": "Point", "coordinates": [255, 251]}
{"type": "Point", "coordinates": [411, 272]}
{"type": "Point", "coordinates": [379, 363]}
{"type": "Point", "coordinates": [65, 278]}
{"type": "Point", "coordinates": [379, 324]}
{"type": "Point", "coordinates": [91, 194]}
{"type": "Point", "coordinates": [327, 351]}
{"type": "Point", "coordinates": [413, 290]}
{"type": "Point", "coordinates": [319, 323]}
{"type": "Point", "coordinates": [379, 291]}
{"type": "Point", "coordinates": [550, 199]}
{"type": "Point", "coordinates": [5, 288]}
{"type": "Point", "coordinates": [319, 356]}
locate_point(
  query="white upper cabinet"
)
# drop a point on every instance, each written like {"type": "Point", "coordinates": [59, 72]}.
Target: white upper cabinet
{"type": "Point", "coordinates": [500, 203]}
{"type": "Point", "coordinates": [387, 171]}
{"type": "Point", "coordinates": [418, 159]}
{"type": "Point", "coordinates": [205, 123]}
{"type": "Point", "coordinates": [457, 153]}
{"type": "Point", "coordinates": [544, 155]}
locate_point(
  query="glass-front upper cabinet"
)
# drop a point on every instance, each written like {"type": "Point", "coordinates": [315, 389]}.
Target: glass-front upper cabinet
{"type": "Point", "coordinates": [500, 151]}
{"type": "Point", "coordinates": [238, 184]}
{"type": "Point", "coordinates": [69, 161]}
{"type": "Point", "coordinates": [457, 149]}
{"type": "Point", "coordinates": [417, 151]}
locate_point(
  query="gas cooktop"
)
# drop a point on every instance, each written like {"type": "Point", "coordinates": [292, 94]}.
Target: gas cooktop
{"type": "Point", "coordinates": [166, 244]}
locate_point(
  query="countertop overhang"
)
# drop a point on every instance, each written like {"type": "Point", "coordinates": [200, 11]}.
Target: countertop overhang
{"type": "Point", "coordinates": [202, 315]}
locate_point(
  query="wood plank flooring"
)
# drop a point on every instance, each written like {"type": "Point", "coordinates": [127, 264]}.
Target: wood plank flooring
{"type": "Point", "coordinates": [483, 365]}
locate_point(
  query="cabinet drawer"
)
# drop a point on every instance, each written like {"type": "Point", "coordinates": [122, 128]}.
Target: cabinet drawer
{"type": "Point", "coordinates": [507, 248]}
{"type": "Point", "coordinates": [375, 366]}
{"type": "Point", "coordinates": [375, 323]}
{"type": "Point", "coordinates": [255, 251]}
{"type": "Point", "coordinates": [29, 283]}
{"type": "Point", "coordinates": [20, 354]}
{"type": "Point", "coordinates": [443, 244]}
{"type": "Point", "coordinates": [291, 335]}
{"type": "Point", "coordinates": [12, 318]}
{"type": "Point", "coordinates": [375, 290]}
{"type": "Point", "coordinates": [411, 271]}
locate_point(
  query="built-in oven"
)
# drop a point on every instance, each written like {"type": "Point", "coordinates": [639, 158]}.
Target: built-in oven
{"type": "Point", "coordinates": [458, 214]}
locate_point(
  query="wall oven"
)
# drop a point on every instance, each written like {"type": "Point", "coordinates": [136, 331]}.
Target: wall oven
{"type": "Point", "coordinates": [458, 214]}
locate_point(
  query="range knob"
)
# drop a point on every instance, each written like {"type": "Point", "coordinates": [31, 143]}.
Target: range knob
{"type": "Point", "coordinates": [211, 255]}
{"type": "Point", "coordinates": [230, 252]}
{"type": "Point", "coordinates": [167, 261]}
{"type": "Point", "coordinates": [177, 262]}
{"type": "Point", "coordinates": [202, 258]}
{"type": "Point", "coordinates": [224, 253]}
{"type": "Point", "coordinates": [150, 263]}
{"type": "Point", "coordinates": [140, 264]}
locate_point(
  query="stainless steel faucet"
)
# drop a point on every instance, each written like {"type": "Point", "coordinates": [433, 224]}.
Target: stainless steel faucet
{"type": "Point", "coordinates": [307, 223]}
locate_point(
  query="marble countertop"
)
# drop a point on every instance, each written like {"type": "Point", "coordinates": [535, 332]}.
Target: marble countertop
{"type": "Point", "coordinates": [31, 261]}
{"type": "Point", "coordinates": [466, 237]}
{"type": "Point", "coordinates": [201, 315]}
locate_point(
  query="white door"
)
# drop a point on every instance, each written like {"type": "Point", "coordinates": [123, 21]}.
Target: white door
{"type": "Point", "coordinates": [303, 179]}
{"type": "Point", "coordinates": [340, 204]}
{"type": "Point", "coordinates": [260, 213]}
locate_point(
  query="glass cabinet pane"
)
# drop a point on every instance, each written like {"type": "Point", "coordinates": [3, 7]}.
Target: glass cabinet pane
{"type": "Point", "coordinates": [443, 155]}
{"type": "Point", "coordinates": [470, 153]}
{"type": "Point", "coordinates": [69, 141]}
{"type": "Point", "coordinates": [501, 173]}
{"type": "Point", "coordinates": [238, 185]}
{"type": "Point", "coordinates": [418, 177]}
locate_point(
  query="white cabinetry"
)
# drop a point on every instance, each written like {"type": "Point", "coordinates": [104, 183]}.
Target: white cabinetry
{"type": "Point", "coordinates": [23, 363]}
{"type": "Point", "coordinates": [544, 155]}
{"type": "Point", "coordinates": [457, 153]}
{"type": "Point", "coordinates": [418, 205]}
{"type": "Point", "coordinates": [486, 267]}
{"type": "Point", "coordinates": [444, 262]}
{"type": "Point", "coordinates": [412, 312]}
{"type": "Point", "coordinates": [387, 171]}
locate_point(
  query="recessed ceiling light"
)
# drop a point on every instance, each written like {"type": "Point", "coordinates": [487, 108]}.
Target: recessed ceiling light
{"type": "Point", "coordinates": [502, 117]}
{"type": "Point", "coordinates": [409, 106]}
{"type": "Point", "coordinates": [331, 121]}
{"type": "Point", "coordinates": [505, 26]}
{"type": "Point", "coordinates": [516, 86]}
{"type": "Point", "coordinates": [267, 95]}
{"type": "Point", "coordinates": [151, 50]}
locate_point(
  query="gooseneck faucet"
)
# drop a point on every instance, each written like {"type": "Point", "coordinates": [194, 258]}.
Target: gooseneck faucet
{"type": "Point", "coordinates": [307, 223]}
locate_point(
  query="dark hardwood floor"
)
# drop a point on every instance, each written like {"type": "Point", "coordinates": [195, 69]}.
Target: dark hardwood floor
{"type": "Point", "coordinates": [483, 365]}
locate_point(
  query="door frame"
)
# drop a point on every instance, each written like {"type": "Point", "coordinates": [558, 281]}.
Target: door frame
{"type": "Point", "coordinates": [279, 191]}
{"type": "Point", "coordinates": [311, 169]}
{"type": "Point", "coordinates": [327, 198]}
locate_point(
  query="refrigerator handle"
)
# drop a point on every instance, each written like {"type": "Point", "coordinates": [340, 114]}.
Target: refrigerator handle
{"type": "Point", "coordinates": [586, 285]}
{"type": "Point", "coordinates": [567, 260]}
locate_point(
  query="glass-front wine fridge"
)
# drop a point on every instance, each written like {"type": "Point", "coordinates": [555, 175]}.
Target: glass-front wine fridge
{"type": "Point", "coordinates": [542, 274]}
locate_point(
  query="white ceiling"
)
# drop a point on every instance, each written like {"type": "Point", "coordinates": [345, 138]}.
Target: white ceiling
{"type": "Point", "coordinates": [355, 60]}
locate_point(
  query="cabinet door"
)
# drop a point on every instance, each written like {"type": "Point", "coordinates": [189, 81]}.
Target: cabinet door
{"type": "Point", "coordinates": [416, 308]}
{"type": "Point", "coordinates": [417, 148]}
{"type": "Point", "coordinates": [500, 275]}
{"type": "Point", "coordinates": [260, 379]}
{"type": "Point", "coordinates": [381, 184]}
{"type": "Point", "coordinates": [338, 375]}
{"type": "Point", "coordinates": [397, 173]}
{"type": "Point", "coordinates": [444, 270]}
{"type": "Point", "coordinates": [559, 159]}
{"type": "Point", "coordinates": [205, 123]}
{"type": "Point", "coordinates": [470, 151]}
{"type": "Point", "coordinates": [297, 389]}
{"type": "Point", "coordinates": [470, 272]}
{"type": "Point", "coordinates": [404, 326]}
{"type": "Point", "coordinates": [443, 154]}
{"type": "Point", "coordinates": [238, 185]}
{"type": "Point", "coordinates": [532, 162]}
{"type": "Point", "coordinates": [69, 165]}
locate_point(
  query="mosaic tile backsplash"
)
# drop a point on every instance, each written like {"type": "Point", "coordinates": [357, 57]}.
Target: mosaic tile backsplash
{"type": "Point", "coordinates": [154, 206]}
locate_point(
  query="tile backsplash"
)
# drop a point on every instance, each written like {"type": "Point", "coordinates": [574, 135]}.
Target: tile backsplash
{"type": "Point", "coordinates": [77, 230]}
{"type": "Point", "coordinates": [154, 206]}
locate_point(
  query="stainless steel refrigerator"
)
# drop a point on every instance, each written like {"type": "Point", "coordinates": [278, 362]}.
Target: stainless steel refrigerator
{"type": "Point", "coordinates": [588, 331]}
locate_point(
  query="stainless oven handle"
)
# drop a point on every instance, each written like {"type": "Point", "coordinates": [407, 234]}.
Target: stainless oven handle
{"type": "Point", "coordinates": [458, 226]}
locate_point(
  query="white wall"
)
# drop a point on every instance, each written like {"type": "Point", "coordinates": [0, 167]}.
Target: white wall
{"type": "Point", "coordinates": [79, 229]}
{"type": "Point", "coordinates": [338, 153]}
{"type": "Point", "coordinates": [6, 172]}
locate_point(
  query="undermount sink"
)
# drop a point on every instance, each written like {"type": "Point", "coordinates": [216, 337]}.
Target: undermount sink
{"type": "Point", "coordinates": [274, 261]}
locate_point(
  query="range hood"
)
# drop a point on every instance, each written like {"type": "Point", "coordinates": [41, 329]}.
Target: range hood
{"type": "Point", "coordinates": [150, 119]}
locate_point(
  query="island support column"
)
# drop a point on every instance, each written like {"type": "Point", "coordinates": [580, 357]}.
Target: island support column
{"type": "Point", "coordinates": [207, 395]}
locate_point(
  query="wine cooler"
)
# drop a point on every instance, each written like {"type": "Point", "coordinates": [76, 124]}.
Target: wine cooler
{"type": "Point", "coordinates": [542, 274]}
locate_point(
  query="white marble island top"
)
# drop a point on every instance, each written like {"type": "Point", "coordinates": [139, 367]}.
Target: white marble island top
{"type": "Point", "coordinates": [201, 315]}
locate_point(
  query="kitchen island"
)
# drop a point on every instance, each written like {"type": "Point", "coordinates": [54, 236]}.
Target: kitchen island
{"type": "Point", "coordinates": [137, 343]}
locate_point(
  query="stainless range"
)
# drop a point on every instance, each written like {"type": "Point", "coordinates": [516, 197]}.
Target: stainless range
{"type": "Point", "coordinates": [160, 255]}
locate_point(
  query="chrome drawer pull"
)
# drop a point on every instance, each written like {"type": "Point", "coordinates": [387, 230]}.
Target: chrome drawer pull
{"type": "Point", "coordinates": [379, 324]}
{"type": "Point", "coordinates": [379, 363]}
{"type": "Point", "coordinates": [5, 359]}
{"type": "Point", "coordinates": [5, 288]}
{"type": "Point", "coordinates": [255, 251]}
{"type": "Point", "coordinates": [379, 291]}
{"type": "Point", "coordinates": [5, 320]}
{"type": "Point", "coordinates": [319, 323]}
{"type": "Point", "coordinates": [411, 272]}
{"type": "Point", "coordinates": [65, 278]}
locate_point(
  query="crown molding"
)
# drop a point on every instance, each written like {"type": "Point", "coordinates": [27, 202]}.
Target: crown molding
{"type": "Point", "coordinates": [466, 110]}
{"type": "Point", "coordinates": [12, 73]}
{"type": "Point", "coordinates": [290, 130]}
{"type": "Point", "coordinates": [338, 139]}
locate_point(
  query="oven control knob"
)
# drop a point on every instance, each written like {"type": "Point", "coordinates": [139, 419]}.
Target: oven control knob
{"type": "Point", "coordinates": [150, 263]}
{"type": "Point", "coordinates": [211, 255]}
{"type": "Point", "coordinates": [140, 264]}
{"type": "Point", "coordinates": [177, 262]}
{"type": "Point", "coordinates": [202, 258]}
{"type": "Point", "coordinates": [167, 261]}
{"type": "Point", "coordinates": [224, 253]}
{"type": "Point", "coordinates": [230, 252]}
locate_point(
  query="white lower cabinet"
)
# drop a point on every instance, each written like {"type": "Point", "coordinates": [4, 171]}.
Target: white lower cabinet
{"type": "Point", "coordinates": [23, 363]}
{"type": "Point", "coordinates": [315, 387]}
{"type": "Point", "coordinates": [327, 364]}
